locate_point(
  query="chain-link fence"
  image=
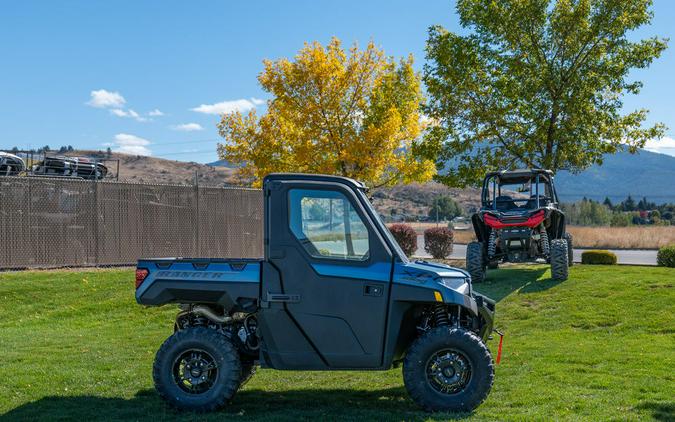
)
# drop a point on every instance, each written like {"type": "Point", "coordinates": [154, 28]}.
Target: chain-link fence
{"type": "Point", "coordinates": [46, 222]}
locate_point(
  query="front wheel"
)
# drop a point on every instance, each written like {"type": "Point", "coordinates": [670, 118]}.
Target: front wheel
{"type": "Point", "coordinates": [448, 369]}
{"type": "Point", "coordinates": [197, 369]}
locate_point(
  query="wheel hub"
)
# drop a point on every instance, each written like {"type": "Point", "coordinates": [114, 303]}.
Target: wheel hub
{"type": "Point", "coordinates": [448, 372]}
{"type": "Point", "coordinates": [195, 371]}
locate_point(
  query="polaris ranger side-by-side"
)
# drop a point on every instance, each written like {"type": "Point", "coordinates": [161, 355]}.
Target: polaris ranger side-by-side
{"type": "Point", "coordinates": [519, 221]}
{"type": "Point", "coordinates": [333, 292]}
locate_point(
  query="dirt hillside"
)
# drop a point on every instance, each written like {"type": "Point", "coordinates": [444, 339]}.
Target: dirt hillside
{"type": "Point", "coordinates": [411, 201]}
{"type": "Point", "coordinates": [138, 168]}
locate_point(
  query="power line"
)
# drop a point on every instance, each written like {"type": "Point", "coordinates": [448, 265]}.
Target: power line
{"type": "Point", "coordinates": [185, 152]}
{"type": "Point", "coordinates": [185, 142]}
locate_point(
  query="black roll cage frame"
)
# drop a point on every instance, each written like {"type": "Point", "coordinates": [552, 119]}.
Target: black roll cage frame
{"type": "Point", "coordinates": [494, 177]}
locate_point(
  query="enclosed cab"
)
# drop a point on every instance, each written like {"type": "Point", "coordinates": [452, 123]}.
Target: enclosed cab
{"type": "Point", "coordinates": [519, 221]}
{"type": "Point", "coordinates": [76, 167]}
{"type": "Point", "coordinates": [10, 164]}
{"type": "Point", "coordinates": [333, 291]}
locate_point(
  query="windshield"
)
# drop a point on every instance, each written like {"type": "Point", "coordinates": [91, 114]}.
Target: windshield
{"type": "Point", "coordinates": [383, 228]}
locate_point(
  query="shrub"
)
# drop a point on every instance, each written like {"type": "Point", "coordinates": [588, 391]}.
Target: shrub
{"type": "Point", "coordinates": [438, 242]}
{"type": "Point", "coordinates": [666, 256]}
{"type": "Point", "coordinates": [598, 258]}
{"type": "Point", "coordinates": [621, 219]}
{"type": "Point", "coordinates": [406, 237]}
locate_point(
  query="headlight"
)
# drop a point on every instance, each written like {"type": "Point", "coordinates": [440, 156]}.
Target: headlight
{"type": "Point", "coordinates": [460, 284]}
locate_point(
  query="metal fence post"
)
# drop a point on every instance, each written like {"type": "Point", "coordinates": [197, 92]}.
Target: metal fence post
{"type": "Point", "coordinates": [96, 212]}
{"type": "Point", "coordinates": [197, 221]}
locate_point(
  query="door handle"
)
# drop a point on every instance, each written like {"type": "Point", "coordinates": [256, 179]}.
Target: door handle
{"type": "Point", "coordinates": [373, 290]}
{"type": "Point", "coordinates": [282, 297]}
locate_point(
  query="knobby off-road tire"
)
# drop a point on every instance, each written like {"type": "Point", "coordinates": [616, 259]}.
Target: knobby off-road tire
{"type": "Point", "coordinates": [475, 261]}
{"type": "Point", "coordinates": [447, 341]}
{"type": "Point", "coordinates": [570, 249]}
{"type": "Point", "coordinates": [215, 350]}
{"type": "Point", "coordinates": [559, 259]}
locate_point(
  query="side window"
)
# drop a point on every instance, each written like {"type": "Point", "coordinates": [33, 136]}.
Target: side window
{"type": "Point", "coordinates": [327, 225]}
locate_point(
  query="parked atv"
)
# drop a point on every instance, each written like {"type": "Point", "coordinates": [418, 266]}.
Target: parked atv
{"type": "Point", "coordinates": [333, 291]}
{"type": "Point", "coordinates": [519, 221]}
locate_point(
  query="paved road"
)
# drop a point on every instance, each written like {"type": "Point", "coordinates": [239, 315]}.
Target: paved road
{"type": "Point", "coordinates": [625, 256]}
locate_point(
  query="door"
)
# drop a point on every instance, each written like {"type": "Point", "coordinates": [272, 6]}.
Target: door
{"type": "Point", "coordinates": [335, 272]}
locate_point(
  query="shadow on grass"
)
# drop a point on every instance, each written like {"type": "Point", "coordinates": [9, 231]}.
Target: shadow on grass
{"type": "Point", "coordinates": [254, 404]}
{"type": "Point", "coordinates": [660, 411]}
{"type": "Point", "coordinates": [501, 283]}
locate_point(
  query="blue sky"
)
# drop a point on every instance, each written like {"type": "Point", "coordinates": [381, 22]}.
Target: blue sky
{"type": "Point", "coordinates": [143, 76]}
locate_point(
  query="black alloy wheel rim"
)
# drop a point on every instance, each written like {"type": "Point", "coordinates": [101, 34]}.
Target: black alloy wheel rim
{"type": "Point", "coordinates": [448, 371]}
{"type": "Point", "coordinates": [195, 371]}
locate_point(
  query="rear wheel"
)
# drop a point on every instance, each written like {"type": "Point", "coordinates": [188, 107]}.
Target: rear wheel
{"type": "Point", "coordinates": [559, 257]}
{"type": "Point", "coordinates": [570, 249]}
{"type": "Point", "coordinates": [475, 261]}
{"type": "Point", "coordinates": [448, 369]}
{"type": "Point", "coordinates": [197, 369]}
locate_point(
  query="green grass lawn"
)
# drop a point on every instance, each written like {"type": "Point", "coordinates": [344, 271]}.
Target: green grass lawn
{"type": "Point", "coordinates": [75, 346]}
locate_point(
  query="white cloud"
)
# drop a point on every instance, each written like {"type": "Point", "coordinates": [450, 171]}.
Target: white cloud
{"type": "Point", "coordinates": [187, 127]}
{"type": "Point", "coordinates": [104, 99]}
{"type": "Point", "coordinates": [225, 107]}
{"type": "Point", "coordinates": [131, 144]}
{"type": "Point", "coordinates": [128, 113]}
{"type": "Point", "coordinates": [665, 145]}
{"type": "Point", "coordinates": [115, 102]}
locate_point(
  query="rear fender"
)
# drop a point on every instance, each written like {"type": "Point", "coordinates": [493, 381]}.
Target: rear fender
{"type": "Point", "coordinates": [479, 227]}
{"type": "Point", "coordinates": [556, 228]}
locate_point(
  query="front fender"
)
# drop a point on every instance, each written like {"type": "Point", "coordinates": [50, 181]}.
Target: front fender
{"type": "Point", "coordinates": [486, 309]}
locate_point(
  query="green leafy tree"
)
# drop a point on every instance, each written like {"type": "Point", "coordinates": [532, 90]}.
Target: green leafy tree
{"type": "Point", "coordinates": [447, 208]}
{"type": "Point", "coordinates": [587, 213]}
{"type": "Point", "coordinates": [621, 219]}
{"type": "Point", "coordinates": [628, 204]}
{"type": "Point", "coordinates": [608, 202]}
{"type": "Point", "coordinates": [536, 83]}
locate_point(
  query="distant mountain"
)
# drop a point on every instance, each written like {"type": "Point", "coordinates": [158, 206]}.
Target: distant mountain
{"type": "Point", "coordinates": [220, 163]}
{"type": "Point", "coordinates": [643, 174]}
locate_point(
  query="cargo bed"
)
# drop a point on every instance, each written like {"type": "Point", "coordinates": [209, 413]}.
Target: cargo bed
{"type": "Point", "coordinates": [231, 283]}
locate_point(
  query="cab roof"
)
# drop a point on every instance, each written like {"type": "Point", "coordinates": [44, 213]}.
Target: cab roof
{"type": "Point", "coordinates": [315, 178]}
{"type": "Point", "coordinates": [518, 175]}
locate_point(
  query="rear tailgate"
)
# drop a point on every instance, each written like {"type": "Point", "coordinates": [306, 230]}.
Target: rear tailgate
{"type": "Point", "coordinates": [180, 280]}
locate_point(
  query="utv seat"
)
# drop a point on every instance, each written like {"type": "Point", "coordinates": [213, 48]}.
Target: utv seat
{"type": "Point", "coordinates": [532, 202]}
{"type": "Point", "coordinates": [505, 203]}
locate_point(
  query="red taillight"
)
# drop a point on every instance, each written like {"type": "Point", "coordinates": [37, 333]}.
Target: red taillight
{"type": "Point", "coordinates": [141, 273]}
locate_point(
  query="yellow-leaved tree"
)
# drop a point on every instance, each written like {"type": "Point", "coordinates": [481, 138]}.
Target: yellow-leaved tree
{"type": "Point", "coordinates": [353, 114]}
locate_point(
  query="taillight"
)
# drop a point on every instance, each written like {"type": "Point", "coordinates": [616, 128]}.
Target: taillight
{"type": "Point", "coordinates": [141, 273]}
